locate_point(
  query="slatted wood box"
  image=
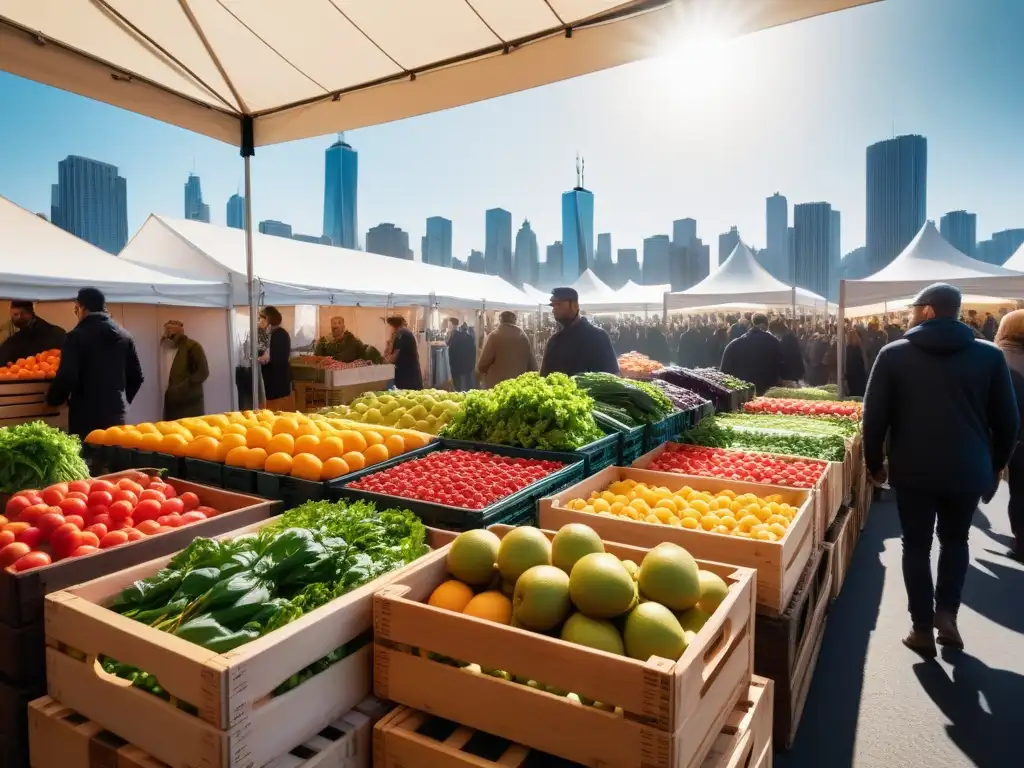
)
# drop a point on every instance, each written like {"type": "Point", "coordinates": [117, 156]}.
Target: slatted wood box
{"type": "Point", "coordinates": [24, 401]}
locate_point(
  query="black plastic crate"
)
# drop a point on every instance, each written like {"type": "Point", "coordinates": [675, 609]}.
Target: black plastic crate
{"type": "Point", "coordinates": [121, 458]}
{"type": "Point", "coordinates": [239, 479]}
{"type": "Point", "coordinates": [97, 458]}
{"type": "Point", "coordinates": [517, 509]}
{"type": "Point", "coordinates": [174, 466]}
{"type": "Point", "coordinates": [632, 444]}
{"type": "Point", "coordinates": [205, 472]}
{"type": "Point", "coordinates": [292, 491]}
{"type": "Point", "coordinates": [600, 454]}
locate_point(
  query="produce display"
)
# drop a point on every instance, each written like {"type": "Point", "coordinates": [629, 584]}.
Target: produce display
{"type": "Point", "coordinates": [532, 411]}
{"type": "Point", "coordinates": [425, 410]}
{"type": "Point", "coordinates": [683, 399]}
{"type": "Point", "coordinates": [714, 433]}
{"type": "Point", "coordinates": [624, 404]}
{"type": "Point", "coordinates": [328, 363]}
{"type": "Point", "coordinates": [797, 407]}
{"type": "Point", "coordinates": [223, 594]}
{"type": "Point", "coordinates": [41, 366]}
{"type": "Point", "coordinates": [465, 479]}
{"type": "Point", "coordinates": [745, 515]}
{"type": "Point", "coordinates": [750, 467]}
{"type": "Point", "coordinates": [707, 382]}
{"type": "Point", "coordinates": [571, 588]}
{"type": "Point", "coordinates": [826, 392]}
{"type": "Point", "coordinates": [307, 447]}
{"type": "Point", "coordinates": [808, 425]}
{"type": "Point", "coordinates": [36, 455]}
{"type": "Point", "coordinates": [637, 366]}
{"type": "Point", "coordinates": [84, 516]}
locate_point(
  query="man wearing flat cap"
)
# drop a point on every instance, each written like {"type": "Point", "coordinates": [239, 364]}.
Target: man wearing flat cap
{"type": "Point", "coordinates": [577, 346]}
{"type": "Point", "coordinates": [756, 356]}
{"type": "Point", "coordinates": [945, 400]}
{"type": "Point", "coordinates": [183, 370]}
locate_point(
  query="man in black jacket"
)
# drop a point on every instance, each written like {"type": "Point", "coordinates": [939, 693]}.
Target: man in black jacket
{"type": "Point", "coordinates": [792, 357]}
{"type": "Point", "coordinates": [946, 402]}
{"type": "Point", "coordinates": [461, 356]}
{"type": "Point", "coordinates": [756, 356]}
{"type": "Point", "coordinates": [99, 372]}
{"type": "Point", "coordinates": [577, 346]}
{"type": "Point", "coordinates": [32, 334]}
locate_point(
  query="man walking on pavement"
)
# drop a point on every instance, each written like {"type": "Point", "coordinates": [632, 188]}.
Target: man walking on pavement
{"type": "Point", "coordinates": [946, 403]}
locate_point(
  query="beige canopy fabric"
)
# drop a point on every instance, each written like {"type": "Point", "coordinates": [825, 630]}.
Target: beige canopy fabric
{"type": "Point", "coordinates": [309, 67]}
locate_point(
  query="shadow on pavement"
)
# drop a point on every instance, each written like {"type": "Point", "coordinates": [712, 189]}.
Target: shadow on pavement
{"type": "Point", "coordinates": [987, 594]}
{"type": "Point", "coordinates": [828, 730]}
{"type": "Point", "coordinates": [982, 705]}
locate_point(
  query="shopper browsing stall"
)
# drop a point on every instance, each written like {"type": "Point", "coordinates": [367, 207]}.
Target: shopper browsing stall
{"type": "Point", "coordinates": [577, 346]}
{"type": "Point", "coordinates": [277, 374]}
{"type": "Point", "coordinates": [756, 356]}
{"type": "Point", "coordinates": [183, 370]}
{"type": "Point", "coordinates": [506, 353]}
{"type": "Point", "coordinates": [461, 355]}
{"type": "Point", "coordinates": [402, 351]}
{"type": "Point", "coordinates": [31, 336]}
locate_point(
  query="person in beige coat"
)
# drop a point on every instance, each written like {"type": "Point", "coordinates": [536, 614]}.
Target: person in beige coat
{"type": "Point", "coordinates": [506, 353]}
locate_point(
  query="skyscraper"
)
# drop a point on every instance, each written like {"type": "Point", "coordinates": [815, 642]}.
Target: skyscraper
{"type": "Point", "coordinates": [195, 208]}
{"type": "Point", "coordinates": [55, 204]}
{"type": "Point", "coordinates": [475, 262]}
{"type": "Point", "coordinates": [835, 255]}
{"type": "Point", "coordinates": [776, 211]}
{"type": "Point", "coordinates": [92, 202]}
{"type": "Point", "coordinates": [275, 228]}
{"type": "Point", "coordinates": [498, 243]}
{"type": "Point", "coordinates": [577, 232]}
{"type": "Point", "coordinates": [551, 274]}
{"type": "Point", "coordinates": [388, 240]}
{"type": "Point", "coordinates": [813, 248]}
{"type": "Point", "coordinates": [727, 241]}
{"type": "Point", "coordinates": [627, 266]}
{"type": "Point", "coordinates": [1001, 246]}
{"type": "Point", "coordinates": [684, 232]}
{"type": "Point", "coordinates": [690, 264]}
{"type": "Point", "coordinates": [960, 229]}
{"type": "Point", "coordinates": [656, 260]}
{"type": "Point", "coordinates": [318, 239]}
{"type": "Point", "coordinates": [604, 267]}
{"type": "Point", "coordinates": [236, 212]}
{"type": "Point", "coordinates": [527, 256]}
{"type": "Point", "coordinates": [458, 263]}
{"type": "Point", "coordinates": [341, 183]}
{"type": "Point", "coordinates": [436, 245]}
{"type": "Point", "coordinates": [897, 189]}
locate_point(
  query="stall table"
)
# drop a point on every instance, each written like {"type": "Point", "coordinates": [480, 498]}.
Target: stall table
{"type": "Point", "coordinates": [25, 401]}
{"type": "Point", "coordinates": [341, 387]}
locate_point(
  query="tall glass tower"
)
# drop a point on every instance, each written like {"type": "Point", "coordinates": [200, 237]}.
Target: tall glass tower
{"type": "Point", "coordinates": [776, 211]}
{"type": "Point", "coordinates": [577, 233]}
{"type": "Point", "coordinates": [960, 229]}
{"type": "Point", "coordinates": [897, 188]}
{"type": "Point", "coordinates": [341, 180]}
{"type": "Point", "coordinates": [195, 208]}
{"type": "Point", "coordinates": [526, 266]}
{"type": "Point", "coordinates": [816, 258]}
{"type": "Point", "coordinates": [436, 245]}
{"type": "Point", "coordinates": [498, 244]}
{"type": "Point", "coordinates": [93, 202]}
{"type": "Point", "coordinates": [236, 212]}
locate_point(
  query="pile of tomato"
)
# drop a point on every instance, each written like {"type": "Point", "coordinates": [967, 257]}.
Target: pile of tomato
{"type": "Point", "coordinates": [700, 461]}
{"type": "Point", "coordinates": [794, 407]}
{"type": "Point", "coordinates": [465, 479]}
{"type": "Point", "coordinates": [79, 518]}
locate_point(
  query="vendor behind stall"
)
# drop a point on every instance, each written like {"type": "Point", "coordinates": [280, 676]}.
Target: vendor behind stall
{"type": "Point", "coordinates": [32, 335]}
{"type": "Point", "coordinates": [344, 346]}
{"type": "Point", "coordinates": [403, 353]}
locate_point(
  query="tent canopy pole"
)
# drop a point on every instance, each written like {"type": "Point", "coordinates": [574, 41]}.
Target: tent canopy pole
{"type": "Point", "coordinates": [247, 151]}
{"type": "Point", "coordinates": [841, 340]}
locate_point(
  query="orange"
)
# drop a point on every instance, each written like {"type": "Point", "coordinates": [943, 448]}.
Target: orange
{"type": "Point", "coordinates": [237, 457]}
{"type": "Point", "coordinates": [281, 443]}
{"type": "Point", "coordinates": [375, 454]}
{"type": "Point", "coordinates": [307, 444]}
{"type": "Point", "coordinates": [205, 448]}
{"type": "Point", "coordinates": [353, 440]}
{"type": "Point", "coordinates": [115, 436]}
{"type": "Point", "coordinates": [285, 425]}
{"type": "Point", "coordinates": [330, 447]}
{"type": "Point", "coordinates": [173, 444]}
{"type": "Point", "coordinates": [228, 443]}
{"type": "Point", "coordinates": [373, 438]}
{"type": "Point", "coordinates": [256, 458]}
{"type": "Point", "coordinates": [217, 420]}
{"type": "Point", "coordinates": [96, 437]}
{"type": "Point", "coordinates": [150, 441]}
{"type": "Point", "coordinates": [131, 439]}
{"type": "Point", "coordinates": [355, 461]}
{"type": "Point", "coordinates": [147, 428]}
{"type": "Point", "coordinates": [306, 428]}
{"type": "Point", "coordinates": [257, 437]}
{"type": "Point", "coordinates": [279, 463]}
{"type": "Point", "coordinates": [395, 445]}
{"type": "Point", "coordinates": [492, 606]}
{"type": "Point", "coordinates": [414, 439]}
{"type": "Point", "coordinates": [334, 467]}
{"type": "Point", "coordinates": [234, 429]}
{"type": "Point", "coordinates": [452, 595]}
{"type": "Point", "coordinates": [306, 466]}
{"type": "Point", "coordinates": [164, 427]}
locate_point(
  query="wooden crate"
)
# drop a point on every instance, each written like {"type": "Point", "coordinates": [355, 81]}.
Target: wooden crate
{"type": "Point", "coordinates": [746, 740]}
{"type": "Point", "coordinates": [786, 648]}
{"type": "Point", "coordinates": [59, 737]}
{"type": "Point", "coordinates": [674, 709]}
{"type": "Point", "coordinates": [238, 723]}
{"type": "Point", "coordinates": [828, 491]}
{"type": "Point", "coordinates": [21, 402]}
{"type": "Point", "coordinates": [21, 594]}
{"type": "Point", "coordinates": [778, 563]}
{"type": "Point", "coordinates": [22, 652]}
{"type": "Point", "coordinates": [841, 541]}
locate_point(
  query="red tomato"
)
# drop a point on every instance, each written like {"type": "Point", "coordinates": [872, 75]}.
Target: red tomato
{"type": "Point", "coordinates": [91, 539]}
{"type": "Point", "coordinates": [189, 500]}
{"type": "Point", "coordinates": [127, 484]}
{"type": "Point", "coordinates": [65, 540]}
{"type": "Point", "coordinates": [6, 537]}
{"type": "Point", "coordinates": [103, 519]}
{"type": "Point", "coordinates": [52, 496]}
{"type": "Point", "coordinates": [119, 510]}
{"type": "Point", "coordinates": [16, 505]}
{"type": "Point", "coordinates": [123, 495]}
{"type": "Point", "coordinates": [149, 493]}
{"type": "Point", "coordinates": [85, 549]}
{"type": "Point", "coordinates": [124, 525]}
{"type": "Point", "coordinates": [147, 527]}
{"type": "Point", "coordinates": [31, 514]}
{"type": "Point", "coordinates": [147, 510]}
{"type": "Point", "coordinates": [166, 489]}
{"type": "Point", "coordinates": [100, 499]}
{"type": "Point", "coordinates": [80, 486]}
{"type": "Point", "coordinates": [73, 506]}
{"type": "Point", "coordinates": [208, 511]}
{"type": "Point", "coordinates": [32, 560]}
{"type": "Point", "coordinates": [164, 529]}
{"type": "Point", "coordinates": [172, 507]}
{"type": "Point", "coordinates": [50, 522]}
{"type": "Point", "coordinates": [135, 534]}
{"type": "Point", "coordinates": [113, 539]}
{"type": "Point", "coordinates": [31, 536]}
{"type": "Point", "coordinates": [170, 521]}
{"type": "Point", "coordinates": [10, 554]}
{"type": "Point", "coordinates": [99, 530]}
{"type": "Point", "coordinates": [193, 516]}
{"type": "Point", "coordinates": [76, 520]}
{"type": "Point", "coordinates": [17, 527]}
{"type": "Point", "coordinates": [101, 485]}
{"type": "Point", "coordinates": [77, 495]}
{"type": "Point", "coordinates": [3, 520]}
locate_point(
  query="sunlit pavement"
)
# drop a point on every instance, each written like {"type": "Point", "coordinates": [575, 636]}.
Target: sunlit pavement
{"type": "Point", "coordinates": [875, 704]}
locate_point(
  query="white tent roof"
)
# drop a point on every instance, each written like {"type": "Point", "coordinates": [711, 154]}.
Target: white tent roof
{"type": "Point", "coordinates": [928, 259]}
{"type": "Point", "coordinates": [592, 289]}
{"type": "Point", "coordinates": [294, 272]}
{"type": "Point", "coordinates": [310, 67]}
{"type": "Point", "coordinates": [740, 279]}
{"type": "Point", "coordinates": [41, 262]}
{"type": "Point", "coordinates": [633, 298]}
{"type": "Point", "coordinates": [1016, 261]}
{"type": "Point", "coordinates": [539, 296]}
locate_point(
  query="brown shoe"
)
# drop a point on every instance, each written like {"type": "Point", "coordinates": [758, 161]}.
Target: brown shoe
{"type": "Point", "coordinates": [948, 634]}
{"type": "Point", "coordinates": [921, 641]}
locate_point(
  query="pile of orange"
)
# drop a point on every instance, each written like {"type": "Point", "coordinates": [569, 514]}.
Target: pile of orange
{"type": "Point", "coordinates": [41, 366]}
{"type": "Point", "coordinates": [306, 447]}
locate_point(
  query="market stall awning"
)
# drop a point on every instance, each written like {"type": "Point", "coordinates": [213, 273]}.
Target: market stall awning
{"type": "Point", "coordinates": [591, 289]}
{"type": "Point", "coordinates": [741, 280]}
{"type": "Point", "coordinates": [1016, 261]}
{"type": "Point", "coordinates": [293, 272]}
{"type": "Point", "coordinates": [311, 67]}
{"type": "Point", "coordinates": [927, 259]}
{"type": "Point", "coordinates": [634, 298]}
{"type": "Point", "coordinates": [41, 262]}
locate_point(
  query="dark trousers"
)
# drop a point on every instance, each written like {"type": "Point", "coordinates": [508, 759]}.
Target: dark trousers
{"type": "Point", "coordinates": [1016, 478]}
{"type": "Point", "coordinates": [462, 382]}
{"type": "Point", "coordinates": [919, 512]}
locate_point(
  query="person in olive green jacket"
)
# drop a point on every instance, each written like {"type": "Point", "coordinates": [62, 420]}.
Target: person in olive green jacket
{"type": "Point", "coordinates": [184, 368]}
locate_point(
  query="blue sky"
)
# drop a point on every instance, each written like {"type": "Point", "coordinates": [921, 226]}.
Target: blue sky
{"type": "Point", "coordinates": [708, 136]}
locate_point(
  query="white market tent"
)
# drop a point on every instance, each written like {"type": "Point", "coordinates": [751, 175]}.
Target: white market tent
{"type": "Point", "coordinates": [741, 280]}
{"type": "Point", "coordinates": [592, 290]}
{"type": "Point", "coordinates": [1016, 261]}
{"type": "Point", "coordinates": [536, 295]}
{"type": "Point", "coordinates": [632, 297]}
